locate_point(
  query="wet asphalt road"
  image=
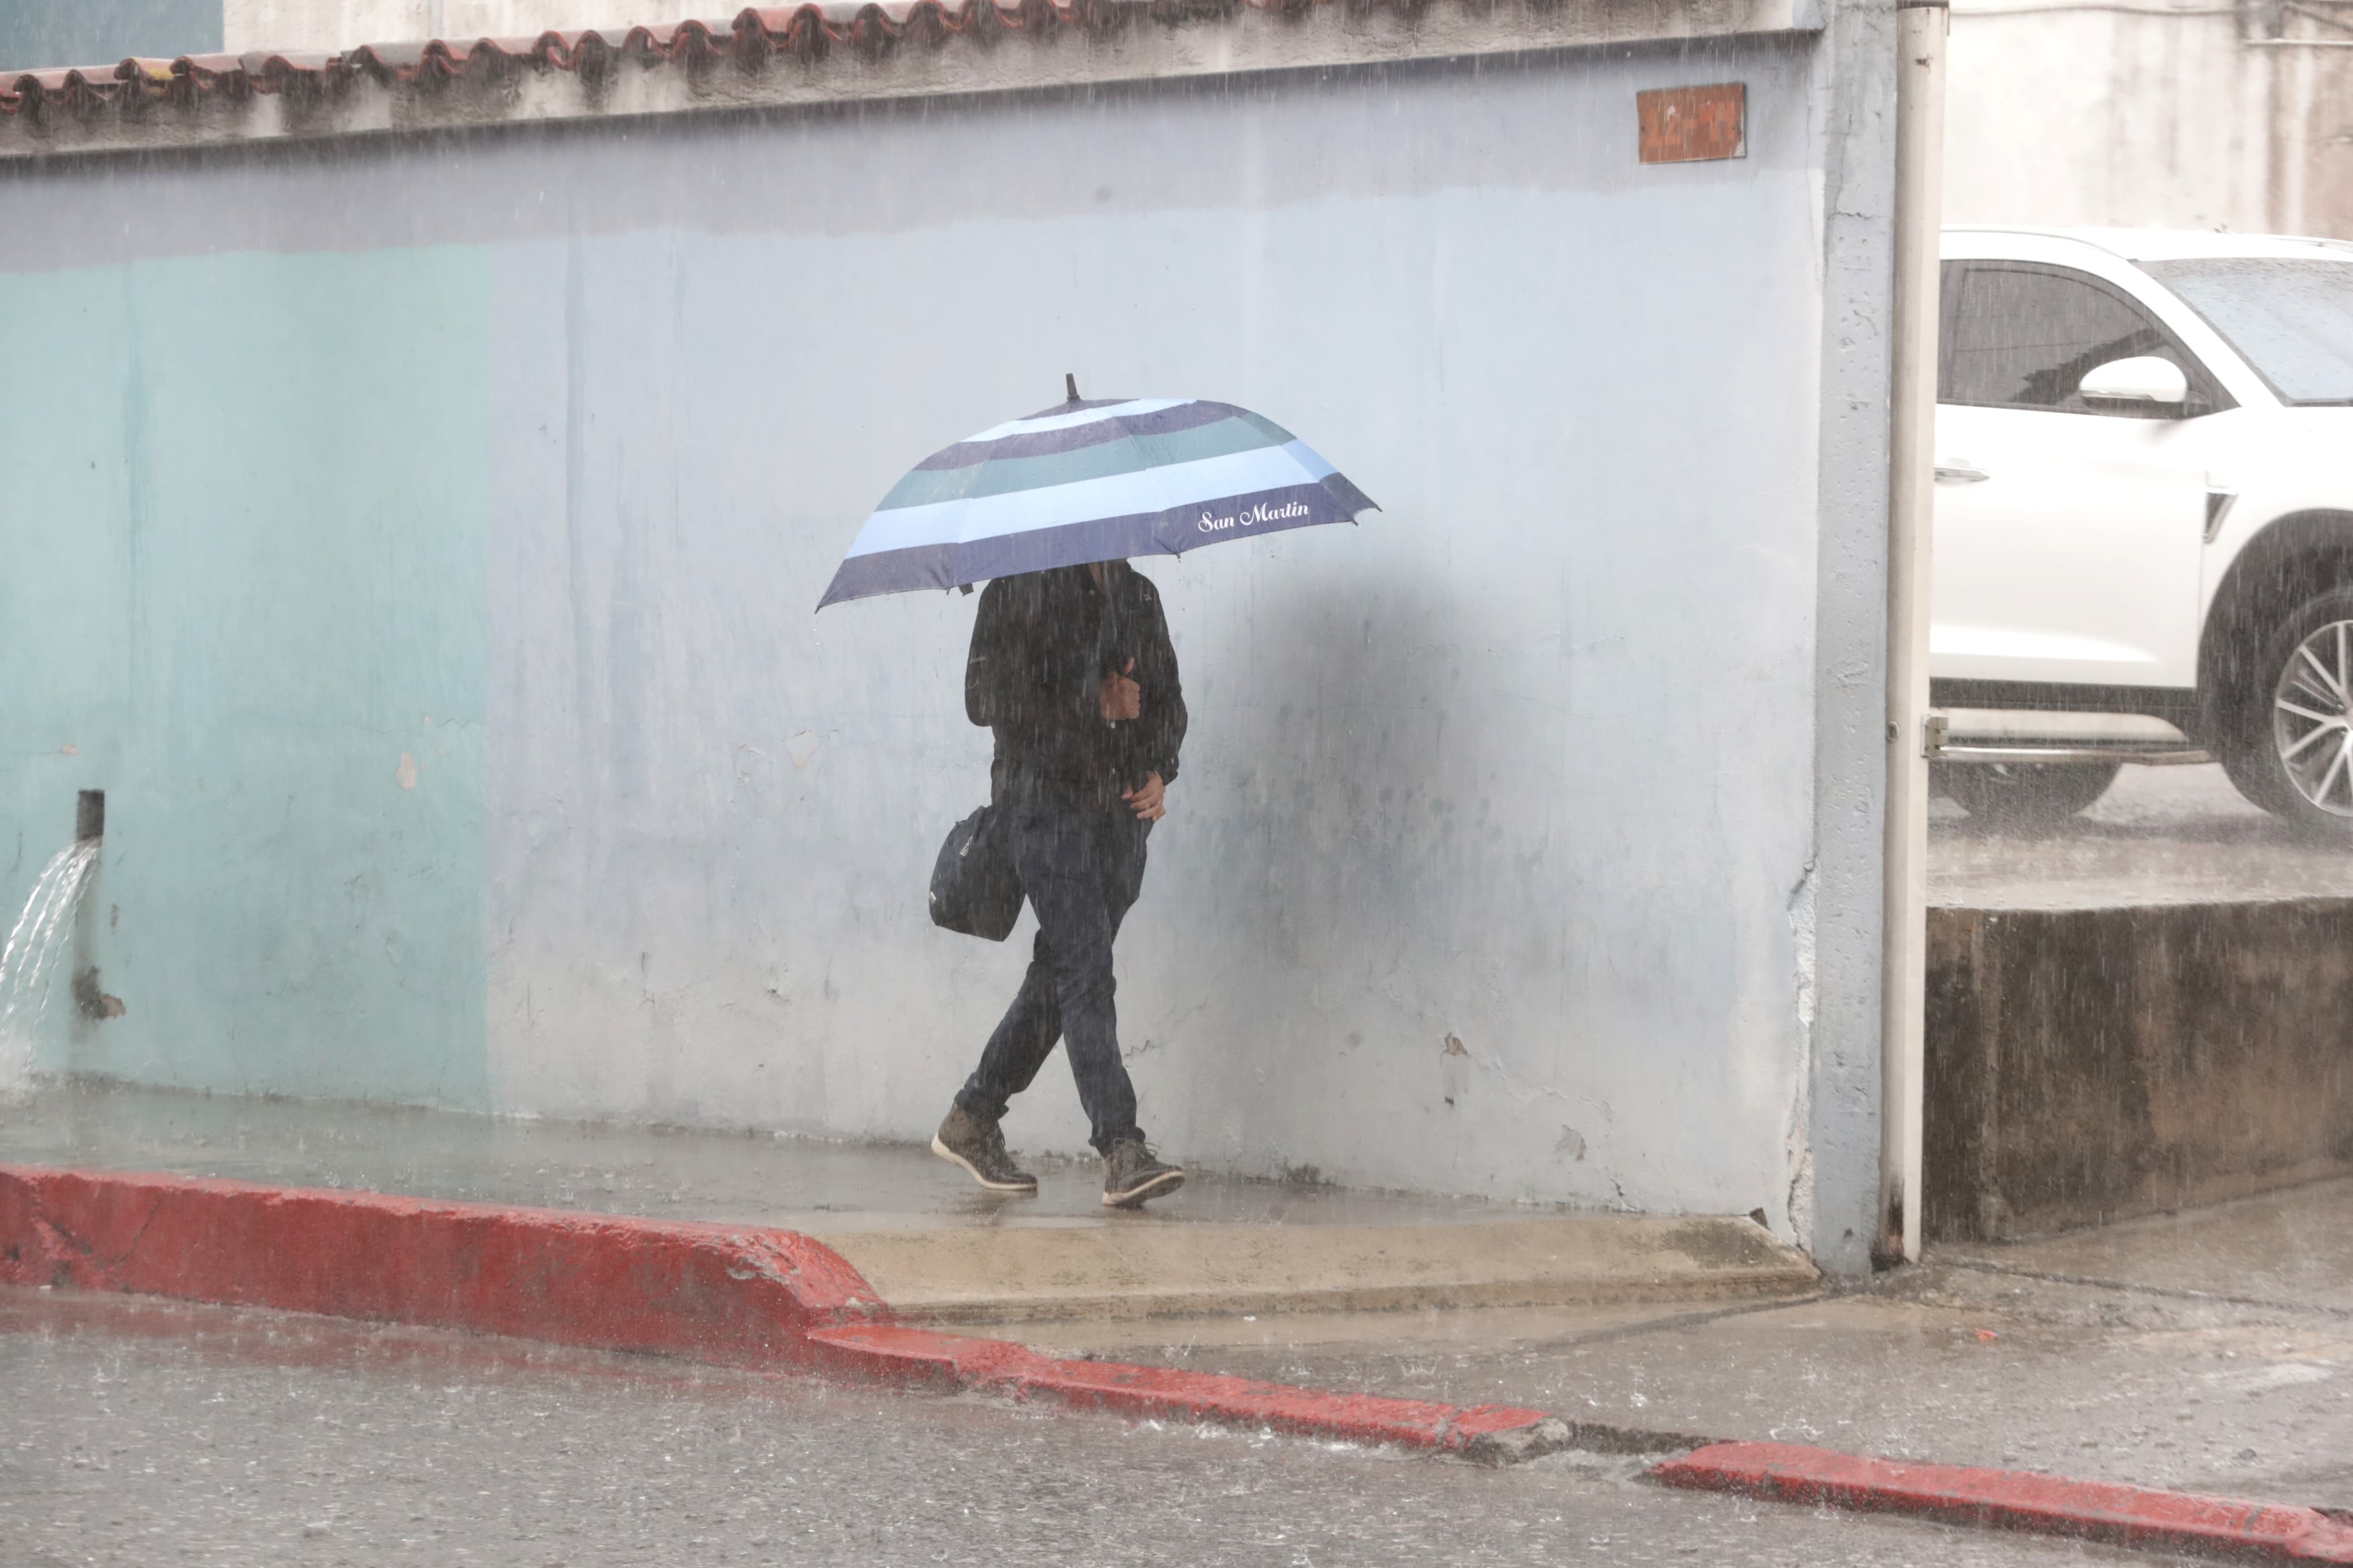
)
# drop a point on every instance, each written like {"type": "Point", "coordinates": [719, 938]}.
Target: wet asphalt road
{"type": "Point", "coordinates": [143, 1433]}
{"type": "Point", "coordinates": [2158, 836]}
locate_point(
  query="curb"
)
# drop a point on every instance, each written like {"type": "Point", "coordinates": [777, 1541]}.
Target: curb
{"type": "Point", "coordinates": [736, 1295]}
{"type": "Point", "coordinates": [1491, 1434]}
{"type": "Point", "coordinates": [714, 1292]}
{"type": "Point", "coordinates": [2017, 1499]}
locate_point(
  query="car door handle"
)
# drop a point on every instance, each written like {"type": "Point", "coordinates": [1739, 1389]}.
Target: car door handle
{"type": "Point", "coordinates": [1962, 472]}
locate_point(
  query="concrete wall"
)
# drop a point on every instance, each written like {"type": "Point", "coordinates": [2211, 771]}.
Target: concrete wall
{"type": "Point", "coordinates": [2089, 1064]}
{"type": "Point", "coordinates": [245, 597]}
{"type": "Point", "coordinates": [2146, 116]}
{"type": "Point", "coordinates": [1565, 754]}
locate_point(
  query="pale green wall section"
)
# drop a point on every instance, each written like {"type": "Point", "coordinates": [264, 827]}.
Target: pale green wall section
{"type": "Point", "coordinates": [243, 505]}
{"type": "Point", "coordinates": [36, 33]}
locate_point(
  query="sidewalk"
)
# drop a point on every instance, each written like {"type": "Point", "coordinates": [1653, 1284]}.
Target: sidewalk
{"type": "Point", "coordinates": [935, 1246]}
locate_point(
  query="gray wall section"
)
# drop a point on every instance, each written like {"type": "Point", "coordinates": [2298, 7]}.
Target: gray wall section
{"type": "Point", "coordinates": [34, 33]}
{"type": "Point", "coordinates": [1834, 1176]}
{"type": "Point", "coordinates": [1555, 755]}
{"type": "Point", "coordinates": [1525, 760]}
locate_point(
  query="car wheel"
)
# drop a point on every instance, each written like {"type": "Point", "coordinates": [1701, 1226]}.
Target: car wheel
{"type": "Point", "coordinates": [2291, 751]}
{"type": "Point", "coordinates": [2024, 794]}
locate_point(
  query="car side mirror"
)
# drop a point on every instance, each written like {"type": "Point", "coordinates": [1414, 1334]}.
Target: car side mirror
{"type": "Point", "coordinates": [2143, 385]}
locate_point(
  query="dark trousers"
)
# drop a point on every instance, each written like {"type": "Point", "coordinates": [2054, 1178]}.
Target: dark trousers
{"type": "Point", "coordinates": [1081, 869]}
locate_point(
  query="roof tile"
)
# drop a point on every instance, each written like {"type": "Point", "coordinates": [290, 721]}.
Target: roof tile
{"type": "Point", "coordinates": [748, 38]}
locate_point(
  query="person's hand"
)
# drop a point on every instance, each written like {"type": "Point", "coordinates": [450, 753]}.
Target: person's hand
{"type": "Point", "coordinates": [1121, 696]}
{"type": "Point", "coordinates": [1148, 799]}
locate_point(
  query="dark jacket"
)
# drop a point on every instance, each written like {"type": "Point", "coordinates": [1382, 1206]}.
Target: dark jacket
{"type": "Point", "coordinates": [1040, 647]}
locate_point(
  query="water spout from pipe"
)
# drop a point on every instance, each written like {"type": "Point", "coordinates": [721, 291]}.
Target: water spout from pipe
{"type": "Point", "coordinates": [38, 939]}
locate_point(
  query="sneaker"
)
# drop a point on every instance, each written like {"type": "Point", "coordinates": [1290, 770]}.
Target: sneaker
{"type": "Point", "coordinates": [1131, 1173]}
{"type": "Point", "coordinates": [979, 1147]}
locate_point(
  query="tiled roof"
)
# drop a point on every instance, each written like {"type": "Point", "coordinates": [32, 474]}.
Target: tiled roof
{"type": "Point", "coordinates": [751, 41]}
{"type": "Point", "coordinates": [816, 54]}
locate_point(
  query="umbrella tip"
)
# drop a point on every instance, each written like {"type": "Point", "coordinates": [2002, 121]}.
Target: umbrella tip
{"type": "Point", "coordinates": [1070, 384]}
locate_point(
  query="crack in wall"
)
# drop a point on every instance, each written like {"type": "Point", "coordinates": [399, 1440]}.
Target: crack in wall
{"type": "Point", "coordinates": [1797, 1196]}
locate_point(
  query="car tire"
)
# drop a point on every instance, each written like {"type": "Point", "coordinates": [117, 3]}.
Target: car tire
{"type": "Point", "coordinates": [2024, 794]}
{"type": "Point", "coordinates": [2289, 748]}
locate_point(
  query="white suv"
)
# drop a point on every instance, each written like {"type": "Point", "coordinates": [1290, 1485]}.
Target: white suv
{"type": "Point", "coordinates": [2144, 529]}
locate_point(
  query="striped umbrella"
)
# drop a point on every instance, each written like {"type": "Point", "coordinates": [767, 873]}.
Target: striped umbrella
{"type": "Point", "coordinates": [1091, 481]}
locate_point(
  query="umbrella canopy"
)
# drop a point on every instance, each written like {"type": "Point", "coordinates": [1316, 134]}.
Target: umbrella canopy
{"type": "Point", "coordinates": [1091, 481]}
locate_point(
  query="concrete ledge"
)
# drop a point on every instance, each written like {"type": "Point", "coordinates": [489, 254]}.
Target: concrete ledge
{"type": "Point", "coordinates": [2017, 1500]}
{"type": "Point", "coordinates": [2089, 1064]}
{"type": "Point", "coordinates": [1152, 1267]}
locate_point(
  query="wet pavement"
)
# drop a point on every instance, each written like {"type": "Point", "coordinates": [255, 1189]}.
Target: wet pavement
{"type": "Point", "coordinates": [2209, 1351]}
{"type": "Point", "coordinates": [746, 1177]}
{"type": "Point", "coordinates": [2292, 1250]}
{"type": "Point", "coordinates": [138, 1434]}
{"type": "Point", "coordinates": [2170, 835]}
{"type": "Point", "coordinates": [916, 1226]}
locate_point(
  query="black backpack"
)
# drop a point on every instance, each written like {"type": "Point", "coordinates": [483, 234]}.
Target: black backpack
{"type": "Point", "coordinates": [975, 888]}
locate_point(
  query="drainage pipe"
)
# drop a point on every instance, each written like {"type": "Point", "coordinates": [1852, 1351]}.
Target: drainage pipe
{"type": "Point", "coordinates": [1920, 29]}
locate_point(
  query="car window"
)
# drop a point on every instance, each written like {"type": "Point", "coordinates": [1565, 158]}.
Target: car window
{"type": "Point", "coordinates": [2292, 318]}
{"type": "Point", "coordinates": [2023, 337]}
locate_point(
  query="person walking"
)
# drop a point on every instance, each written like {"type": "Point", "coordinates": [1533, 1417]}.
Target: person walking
{"type": "Point", "coordinates": [1072, 671]}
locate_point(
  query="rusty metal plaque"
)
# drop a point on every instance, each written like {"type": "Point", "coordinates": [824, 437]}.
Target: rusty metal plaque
{"type": "Point", "coordinates": [1693, 124]}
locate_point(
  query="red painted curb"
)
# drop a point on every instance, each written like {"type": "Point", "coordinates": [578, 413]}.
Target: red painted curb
{"type": "Point", "coordinates": [739, 1294]}
{"type": "Point", "coordinates": [1486, 1431]}
{"type": "Point", "coordinates": [2017, 1499]}
{"type": "Point", "coordinates": [725, 1293]}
